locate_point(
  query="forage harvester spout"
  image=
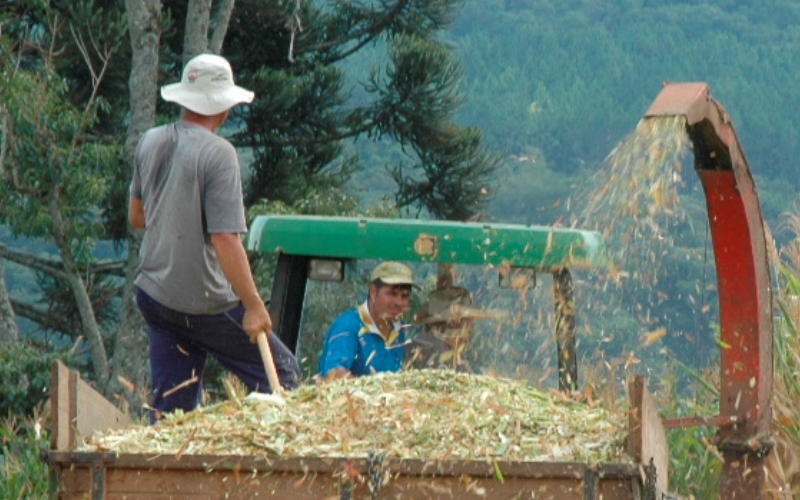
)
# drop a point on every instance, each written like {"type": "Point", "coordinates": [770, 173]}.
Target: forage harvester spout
{"type": "Point", "coordinates": [745, 294]}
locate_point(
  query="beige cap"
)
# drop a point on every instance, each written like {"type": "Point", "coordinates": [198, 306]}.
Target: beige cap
{"type": "Point", "coordinates": [393, 273]}
{"type": "Point", "coordinates": [207, 86]}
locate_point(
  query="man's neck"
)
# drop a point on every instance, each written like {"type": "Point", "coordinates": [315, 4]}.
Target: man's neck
{"type": "Point", "coordinates": [383, 324]}
{"type": "Point", "coordinates": [210, 123]}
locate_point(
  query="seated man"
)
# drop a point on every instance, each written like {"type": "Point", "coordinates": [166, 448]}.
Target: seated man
{"type": "Point", "coordinates": [447, 321]}
{"type": "Point", "coordinates": [369, 338]}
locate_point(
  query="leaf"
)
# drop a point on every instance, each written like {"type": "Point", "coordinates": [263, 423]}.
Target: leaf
{"type": "Point", "coordinates": [632, 360]}
{"type": "Point", "coordinates": [655, 335]}
{"type": "Point", "coordinates": [497, 472]}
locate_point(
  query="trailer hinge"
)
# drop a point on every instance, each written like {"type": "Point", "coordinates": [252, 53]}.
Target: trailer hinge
{"type": "Point", "coordinates": [590, 480]}
{"type": "Point", "coordinates": [98, 481]}
{"type": "Point", "coordinates": [346, 489]}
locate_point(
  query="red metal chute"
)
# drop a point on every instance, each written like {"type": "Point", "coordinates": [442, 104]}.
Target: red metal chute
{"type": "Point", "coordinates": [745, 291]}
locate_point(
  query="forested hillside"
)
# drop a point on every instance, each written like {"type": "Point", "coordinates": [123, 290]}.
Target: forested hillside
{"type": "Point", "coordinates": [560, 82]}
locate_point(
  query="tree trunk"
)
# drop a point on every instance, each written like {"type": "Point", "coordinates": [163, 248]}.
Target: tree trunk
{"type": "Point", "coordinates": [91, 329]}
{"type": "Point", "coordinates": [195, 38]}
{"type": "Point", "coordinates": [221, 26]}
{"type": "Point", "coordinates": [129, 360]}
{"type": "Point", "coordinates": [198, 27]}
{"type": "Point", "coordinates": [9, 332]}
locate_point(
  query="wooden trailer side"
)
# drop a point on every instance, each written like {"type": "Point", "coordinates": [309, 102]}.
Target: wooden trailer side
{"type": "Point", "coordinates": [77, 409]}
{"type": "Point", "coordinates": [647, 440]}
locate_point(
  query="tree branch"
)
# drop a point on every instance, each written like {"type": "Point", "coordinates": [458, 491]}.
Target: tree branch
{"type": "Point", "coordinates": [97, 78]}
{"type": "Point", "coordinates": [365, 35]}
{"type": "Point", "coordinates": [41, 317]}
{"type": "Point", "coordinates": [51, 266]}
{"type": "Point", "coordinates": [54, 267]}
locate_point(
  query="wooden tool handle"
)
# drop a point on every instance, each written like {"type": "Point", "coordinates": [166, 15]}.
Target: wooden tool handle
{"type": "Point", "coordinates": [269, 364]}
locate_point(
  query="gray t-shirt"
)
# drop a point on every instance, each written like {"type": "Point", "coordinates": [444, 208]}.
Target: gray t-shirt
{"type": "Point", "coordinates": [189, 182]}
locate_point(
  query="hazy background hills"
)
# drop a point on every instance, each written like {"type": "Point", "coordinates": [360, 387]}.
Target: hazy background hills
{"type": "Point", "coordinates": [555, 85]}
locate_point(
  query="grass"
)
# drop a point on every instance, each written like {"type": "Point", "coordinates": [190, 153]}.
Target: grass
{"type": "Point", "coordinates": [784, 462]}
{"type": "Point", "coordinates": [24, 472]}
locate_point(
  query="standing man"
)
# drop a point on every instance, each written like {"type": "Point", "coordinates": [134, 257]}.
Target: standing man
{"type": "Point", "coordinates": [194, 286]}
{"type": "Point", "coordinates": [370, 338]}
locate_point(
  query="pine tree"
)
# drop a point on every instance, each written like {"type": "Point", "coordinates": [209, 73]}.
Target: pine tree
{"type": "Point", "coordinates": [305, 118]}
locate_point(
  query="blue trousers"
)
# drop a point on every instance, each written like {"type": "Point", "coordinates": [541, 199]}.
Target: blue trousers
{"type": "Point", "coordinates": [180, 344]}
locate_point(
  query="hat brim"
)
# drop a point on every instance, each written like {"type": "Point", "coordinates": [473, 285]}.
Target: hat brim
{"type": "Point", "coordinates": [212, 102]}
{"type": "Point", "coordinates": [398, 281]}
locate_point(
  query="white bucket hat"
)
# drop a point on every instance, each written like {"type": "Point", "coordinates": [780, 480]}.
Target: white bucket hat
{"type": "Point", "coordinates": [207, 86]}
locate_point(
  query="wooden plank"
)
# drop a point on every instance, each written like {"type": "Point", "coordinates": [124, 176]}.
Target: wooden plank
{"type": "Point", "coordinates": [286, 479]}
{"type": "Point", "coordinates": [78, 410]}
{"type": "Point", "coordinates": [126, 484]}
{"type": "Point", "coordinates": [647, 439]}
{"type": "Point", "coordinates": [61, 409]}
{"type": "Point", "coordinates": [331, 465]}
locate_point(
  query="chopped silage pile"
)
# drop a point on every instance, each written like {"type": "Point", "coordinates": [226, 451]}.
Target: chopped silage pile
{"type": "Point", "coordinates": [416, 414]}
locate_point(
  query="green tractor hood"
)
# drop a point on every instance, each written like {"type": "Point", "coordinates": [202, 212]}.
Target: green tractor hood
{"type": "Point", "coordinates": [539, 247]}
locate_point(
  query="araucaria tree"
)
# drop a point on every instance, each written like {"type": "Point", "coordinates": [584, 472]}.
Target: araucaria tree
{"type": "Point", "coordinates": [292, 53]}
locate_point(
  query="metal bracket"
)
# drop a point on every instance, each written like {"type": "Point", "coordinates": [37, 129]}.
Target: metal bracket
{"type": "Point", "coordinates": [98, 481]}
{"type": "Point", "coordinates": [376, 461]}
{"type": "Point", "coordinates": [650, 481]}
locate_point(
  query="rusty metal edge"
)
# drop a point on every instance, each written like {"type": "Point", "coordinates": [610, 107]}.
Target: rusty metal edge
{"type": "Point", "coordinates": [553, 470]}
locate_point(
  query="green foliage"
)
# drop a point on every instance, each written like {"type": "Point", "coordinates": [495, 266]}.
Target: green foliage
{"type": "Point", "coordinates": [695, 467]}
{"type": "Point", "coordinates": [55, 173]}
{"type": "Point", "coordinates": [49, 160]}
{"type": "Point", "coordinates": [784, 475]}
{"type": "Point", "coordinates": [528, 192]}
{"type": "Point", "coordinates": [25, 376]}
{"type": "Point", "coordinates": [24, 472]}
{"type": "Point", "coordinates": [305, 116]}
{"type": "Point", "coordinates": [572, 78]}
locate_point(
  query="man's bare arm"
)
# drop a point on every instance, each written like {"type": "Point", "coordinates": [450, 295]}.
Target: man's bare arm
{"type": "Point", "coordinates": [233, 260]}
{"type": "Point", "coordinates": [136, 213]}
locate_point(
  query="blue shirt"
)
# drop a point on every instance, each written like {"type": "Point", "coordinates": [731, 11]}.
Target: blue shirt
{"type": "Point", "coordinates": [353, 342]}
